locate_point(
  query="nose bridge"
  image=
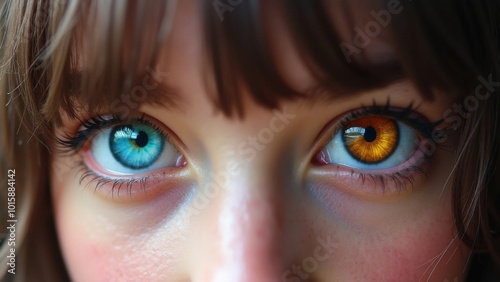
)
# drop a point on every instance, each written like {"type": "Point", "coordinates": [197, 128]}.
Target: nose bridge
{"type": "Point", "coordinates": [249, 232]}
{"type": "Point", "coordinates": [249, 221]}
{"type": "Point", "coordinates": [248, 213]}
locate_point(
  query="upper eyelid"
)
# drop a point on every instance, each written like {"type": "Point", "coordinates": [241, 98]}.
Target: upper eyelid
{"type": "Point", "coordinates": [419, 122]}
{"type": "Point", "coordinates": [73, 142]}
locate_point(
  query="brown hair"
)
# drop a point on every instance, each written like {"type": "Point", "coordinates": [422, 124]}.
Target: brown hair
{"type": "Point", "coordinates": [442, 45]}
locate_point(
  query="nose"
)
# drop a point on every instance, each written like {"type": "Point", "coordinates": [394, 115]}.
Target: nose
{"type": "Point", "coordinates": [244, 230]}
{"type": "Point", "coordinates": [249, 239]}
{"type": "Point", "coordinates": [249, 232]}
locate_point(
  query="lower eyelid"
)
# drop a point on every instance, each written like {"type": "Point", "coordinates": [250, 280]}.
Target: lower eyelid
{"type": "Point", "coordinates": [90, 163]}
{"type": "Point", "coordinates": [131, 188]}
{"type": "Point", "coordinates": [384, 182]}
{"type": "Point", "coordinates": [366, 184]}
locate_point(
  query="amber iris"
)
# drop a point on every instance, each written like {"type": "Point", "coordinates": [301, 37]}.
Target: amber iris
{"type": "Point", "coordinates": [371, 139]}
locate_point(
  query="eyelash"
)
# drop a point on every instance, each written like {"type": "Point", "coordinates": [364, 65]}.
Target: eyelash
{"type": "Point", "coordinates": [72, 145]}
{"type": "Point", "coordinates": [401, 179]}
{"type": "Point", "coordinates": [409, 116]}
{"type": "Point", "coordinates": [117, 183]}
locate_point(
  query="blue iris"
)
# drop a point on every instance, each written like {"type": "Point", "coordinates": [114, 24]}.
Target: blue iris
{"type": "Point", "coordinates": [136, 146]}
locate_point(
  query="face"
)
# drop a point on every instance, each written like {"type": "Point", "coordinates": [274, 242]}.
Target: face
{"type": "Point", "coordinates": [318, 190]}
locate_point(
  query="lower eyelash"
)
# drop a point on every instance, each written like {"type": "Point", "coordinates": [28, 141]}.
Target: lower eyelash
{"type": "Point", "coordinates": [401, 179]}
{"type": "Point", "coordinates": [380, 182]}
{"type": "Point", "coordinates": [71, 145]}
{"type": "Point", "coordinates": [377, 184]}
{"type": "Point", "coordinates": [117, 184]}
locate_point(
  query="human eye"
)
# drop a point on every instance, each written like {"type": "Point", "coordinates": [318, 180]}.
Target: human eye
{"type": "Point", "coordinates": [381, 149]}
{"type": "Point", "coordinates": [133, 148]}
{"type": "Point", "coordinates": [119, 152]}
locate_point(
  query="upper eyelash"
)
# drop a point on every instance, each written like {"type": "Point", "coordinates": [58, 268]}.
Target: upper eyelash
{"type": "Point", "coordinates": [73, 144]}
{"type": "Point", "coordinates": [407, 115]}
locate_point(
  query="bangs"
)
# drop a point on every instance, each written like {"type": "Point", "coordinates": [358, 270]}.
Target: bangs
{"type": "Point", "coordinates": [68, 57]}
{"type": "Point", "coordinates": [111, 38]}
{"type": "Point", "coordinates": [106, 52]}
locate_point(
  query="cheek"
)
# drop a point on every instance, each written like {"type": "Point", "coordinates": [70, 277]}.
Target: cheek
{"type": "Point", "coordinates": [100, 242]}
{"type": "Point", "coordinates": [400, 237]}
{"type": "Point", "coordinates": [427, 252]}
{"type": "Point", "coordinates": [410, 238]}
{"type": "Point", "coordinates": [92, 251]}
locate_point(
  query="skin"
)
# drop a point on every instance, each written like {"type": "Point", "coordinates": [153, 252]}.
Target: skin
{"type": "Point", "coordinates": [274, 216]}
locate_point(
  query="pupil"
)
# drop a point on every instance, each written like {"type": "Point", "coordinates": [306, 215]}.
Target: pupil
{"type": "Point", "coordinates": [370, 134]}
{"type": "Point", "coordinates": [142, 139]}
